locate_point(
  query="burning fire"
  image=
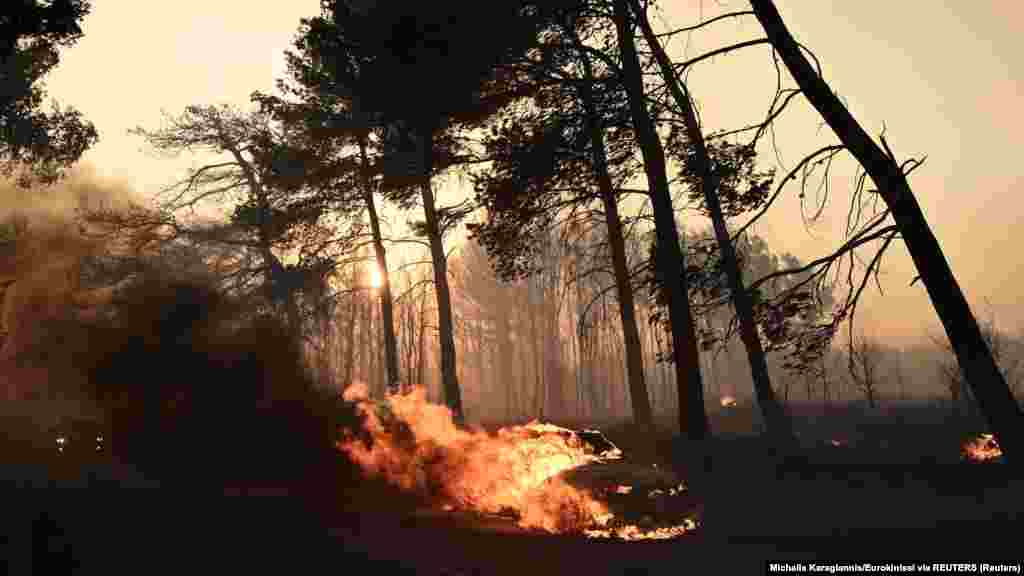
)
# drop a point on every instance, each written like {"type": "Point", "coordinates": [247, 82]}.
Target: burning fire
{"type": "Point", "coordinates": [728, 402]}
{"type": "Point", "coordinates": [416, 446]}
{"type": "Point", "coordinates": [634, 532]}
{"type": "Point", "coordinates": [981, 449]}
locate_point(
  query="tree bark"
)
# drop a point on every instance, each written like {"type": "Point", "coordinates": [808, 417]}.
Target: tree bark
{"type": "Point", "coordinates": [692, 416]}
{"type": "Point", "coordinates": [623, 286]}
{"type": "Point", "coordinates": [961, 326]}
{"type": "Point", "coordinates": [449, 377]}
{"type": "Point", "coordinates": [775, 417]}
{"type": "Point", "coordinates": [392, 380]}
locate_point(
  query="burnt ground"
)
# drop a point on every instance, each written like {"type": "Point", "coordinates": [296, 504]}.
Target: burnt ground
{"type": "Point", "coordinates": [796, 520]}
{"type": "Point", "coordinates": [865, 503]}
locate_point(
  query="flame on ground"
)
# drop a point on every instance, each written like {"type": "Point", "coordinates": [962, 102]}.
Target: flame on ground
{"type": "Point", "coordinates": [417, 447]}
{"type": "Point", "coordinates": [982, 449]}
{"type": "Point", "coordinates": [635, 532]}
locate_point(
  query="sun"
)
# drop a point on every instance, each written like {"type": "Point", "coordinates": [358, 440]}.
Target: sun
{"type": "Point", "coordinates": [375, 277]}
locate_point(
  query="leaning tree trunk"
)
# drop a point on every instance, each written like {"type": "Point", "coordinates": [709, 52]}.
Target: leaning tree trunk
{"type": "Point", "coordinates": [692, 416]}
{"type": "Point", "coordinates": [623, 285]}
{"type": "Point", "coordinates": [774, 414]}
{"type": "Point", "coordinates": [449, 378]}
{"type": "Point", "coordinates": [392, 379]}
{"type": "Point", "coordinates": [975, 359]}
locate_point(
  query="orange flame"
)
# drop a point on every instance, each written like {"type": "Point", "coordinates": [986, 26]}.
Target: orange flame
{"type": "Point", "coordinates": [728, 402]}
{"type": "Point", "coordinates": [982, 449]}
{"type": "Point", "coordinates": [417, 447]}
{"type": "Point", "coordinates": [634, 532]}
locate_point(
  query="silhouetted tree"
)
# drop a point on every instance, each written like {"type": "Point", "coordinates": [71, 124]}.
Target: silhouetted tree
{"type": "Point", "coordinates": [669, 261]}
{"type": "Point", "coordinates": [707, 172]}
{"type": "Point", "coordinates": [38, 145]}
{"type": "Point", "coordinates": [864, 358]}
{"type": "Point", "coordinates": [270, 209]}
{"type": "Point", "coordinates": [450, 53]}
{"type": "Point", "coordinates": [987, 383]}
{"type": "Point", "coordinates": [548, 158]}
{"type": "Point", "coordinates": [346, 137]}
{"type": "Point", "coordinates": [952, 376]}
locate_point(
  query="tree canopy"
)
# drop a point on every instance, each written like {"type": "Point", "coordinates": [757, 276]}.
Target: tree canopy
{"type": "Point", "coordinates": [35, 144]}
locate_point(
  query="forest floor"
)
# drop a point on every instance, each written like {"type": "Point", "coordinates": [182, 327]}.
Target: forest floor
{"type": "Point", "coordinates": [859, 503]}
{"type": "Point", "coordinates": [862, 507]}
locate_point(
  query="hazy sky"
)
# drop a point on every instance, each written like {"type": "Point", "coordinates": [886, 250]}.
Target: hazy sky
{"type": "Point", "coordinates": [944, 75]}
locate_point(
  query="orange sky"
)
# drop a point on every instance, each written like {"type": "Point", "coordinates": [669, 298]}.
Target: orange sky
{"type": "Point", "coordinates": [944, 76]}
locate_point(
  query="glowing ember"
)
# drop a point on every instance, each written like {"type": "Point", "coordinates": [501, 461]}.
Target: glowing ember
{"type": "Point", "coordinates": [981, 449]}
{"type": "Point", "coordinates": [728, 402]}
{"type": "Point", "coordinates": [634, 532]}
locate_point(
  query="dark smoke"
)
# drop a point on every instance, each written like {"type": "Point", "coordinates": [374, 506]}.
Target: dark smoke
{"type": "Point", "coordinates": [191, 386]}
{"type": "Point", "coordinates": [192, 389]}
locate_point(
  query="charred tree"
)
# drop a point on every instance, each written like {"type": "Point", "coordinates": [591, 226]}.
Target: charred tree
{"type": "Point", "coordinates": [987, 384]}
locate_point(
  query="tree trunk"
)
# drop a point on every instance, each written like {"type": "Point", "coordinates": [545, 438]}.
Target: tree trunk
{"type": "Point", "coordinates": [825, 383]}
{"type": "Point", "coordinates": [503, 351]}
{"type": "Point", "coordinates": [406, 345]}
{"type": "Point", "coordinates": [692, 416]}
{"type": "Point", "coordinates": [961, 326]}
{"type": "Point", "coordinates": [774, 414]}
{"type": "Point", "coordinates": [481, 390]}
{"type": "Point", "coordinates": [392, 380]}
{"type": "Point", "coordinates": [350, 342]}
{"type": "Point", "coordinates": [373, 347]}
{"type": "Point", "coordinates": [421, 341]}
{"type": "Point", "coordinates": [381, 371]}
{"type": "Point", "coordinates": [522, 341]}
{"type": "Point", "coordinates": [616, 243]}
{"type": "Point", "coordinates": [449, 377]}
{"type": "Point", "coordinates": [364, 333]}
{"type": "Point", "coordinates": [552, 365]}
{"type": "Point", "coordinates": [538, 358]}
